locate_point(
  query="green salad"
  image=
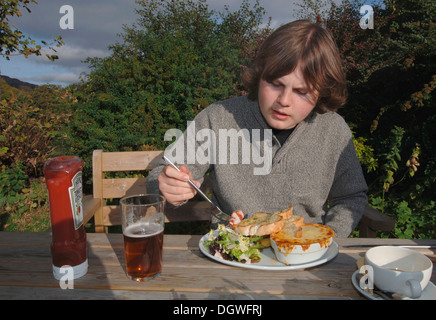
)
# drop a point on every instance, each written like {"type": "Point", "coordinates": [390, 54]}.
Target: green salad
{"type": "Point", "coordinates": [230, 245]}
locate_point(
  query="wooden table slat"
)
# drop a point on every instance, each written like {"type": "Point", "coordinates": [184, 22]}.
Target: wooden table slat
{"type": "Point", "coordinates": [25, 272]}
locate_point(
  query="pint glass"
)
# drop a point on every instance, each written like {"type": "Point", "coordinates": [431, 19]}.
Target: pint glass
{"type": "Point", "coordinates": [143, 225]}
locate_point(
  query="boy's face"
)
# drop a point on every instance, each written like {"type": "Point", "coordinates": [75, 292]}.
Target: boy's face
{"type": "Point", "coordinates": [286, 101]}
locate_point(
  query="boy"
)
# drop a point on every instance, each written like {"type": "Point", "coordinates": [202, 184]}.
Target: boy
{"type": "Point", "coordinates": [295, 86]}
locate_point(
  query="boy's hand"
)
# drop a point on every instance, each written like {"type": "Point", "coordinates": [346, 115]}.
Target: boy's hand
{"type": "Point", "coordinates": [174, 185]}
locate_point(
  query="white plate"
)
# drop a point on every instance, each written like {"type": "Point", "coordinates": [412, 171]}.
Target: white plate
{"type": "Point", "coordinates": [429, 292]}
{"type": "Point", "coordinates": [269, 261]}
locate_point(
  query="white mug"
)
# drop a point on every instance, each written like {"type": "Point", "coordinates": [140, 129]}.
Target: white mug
{"type": "Point", "coordinates": [399, 270]}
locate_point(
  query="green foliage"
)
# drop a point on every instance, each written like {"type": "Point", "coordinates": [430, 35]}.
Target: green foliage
{"type": "Point", "coordinates": [365, 154]}
{"type": "Point", "coordinates": [30, 123]}
{"type": "Point", "coordinates": [13, 41]}
{"type": "Point", "coordinates": [30, 128]}
{"type": "Point", "coordinates": [23, 208]}
{"type": "Point", "coordinates": [391, 156]}
{"type": "Point", "coordinates": [12, 181]}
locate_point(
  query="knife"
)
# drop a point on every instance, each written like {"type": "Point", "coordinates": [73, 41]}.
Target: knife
{"type": "Point", "coordinates": [221, 215]}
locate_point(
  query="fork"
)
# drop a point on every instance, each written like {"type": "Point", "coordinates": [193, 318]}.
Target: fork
{"type": "Point", "coordinates": [221, 215]}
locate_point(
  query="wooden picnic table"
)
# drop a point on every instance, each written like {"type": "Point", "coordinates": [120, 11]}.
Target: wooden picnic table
{"type": "Point", "coordinates": [25, 272]}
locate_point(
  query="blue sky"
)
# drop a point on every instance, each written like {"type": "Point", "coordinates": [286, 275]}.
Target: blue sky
{"type": "Point", "coordinates": [97, 24]}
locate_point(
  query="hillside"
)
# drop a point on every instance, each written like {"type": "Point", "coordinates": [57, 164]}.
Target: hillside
{"type": "Point", "coordinates": [12, 87]}
{"type": "Point", "coordinates": [16, 83]}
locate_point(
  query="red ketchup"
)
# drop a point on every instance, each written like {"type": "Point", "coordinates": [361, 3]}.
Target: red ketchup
{"type": "Point", "coordinates": [64, 183]}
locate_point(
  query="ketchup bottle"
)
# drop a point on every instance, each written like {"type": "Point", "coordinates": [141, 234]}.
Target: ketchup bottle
{"type": "Point", "coordinates": [64, 183]}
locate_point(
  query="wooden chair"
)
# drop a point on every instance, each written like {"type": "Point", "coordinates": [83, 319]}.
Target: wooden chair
{"type": "Point", "coordinates": [105, 189]}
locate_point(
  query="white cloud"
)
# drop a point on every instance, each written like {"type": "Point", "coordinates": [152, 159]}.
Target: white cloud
{"type": "Point", "coordinates": [69, 52]}
{"type": "Point", "coordinates": [70, 55]}
{"type": "Point", "coordinates": [53, 78]}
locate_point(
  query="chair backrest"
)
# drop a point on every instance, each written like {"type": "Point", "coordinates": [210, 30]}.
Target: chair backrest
{"type": "Point", "coordinates": [105, 189]}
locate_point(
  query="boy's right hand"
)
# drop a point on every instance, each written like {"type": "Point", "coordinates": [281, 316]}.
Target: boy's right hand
{"type": "Point", "coordinates": [174, 185]}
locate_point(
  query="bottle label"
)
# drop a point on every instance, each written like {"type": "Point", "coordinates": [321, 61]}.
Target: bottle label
{"type": "Point", "coordinates": [76, 199]}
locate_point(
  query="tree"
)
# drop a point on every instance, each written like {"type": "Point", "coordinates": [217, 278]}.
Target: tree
{"type": "Point", "coordinates": [13, 41]}
{"type": "Point", "coordinates": [29, 122]}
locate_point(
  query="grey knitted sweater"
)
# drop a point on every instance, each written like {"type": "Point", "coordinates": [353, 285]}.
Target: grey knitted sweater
{"type": "Point", "coordinates": [316, 170]}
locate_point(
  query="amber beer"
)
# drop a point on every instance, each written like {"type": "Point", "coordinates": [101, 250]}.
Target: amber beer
{"type": "Point", "coordinates": [143, 249]}
{"type": "Point", "coordinates": [143, 219]}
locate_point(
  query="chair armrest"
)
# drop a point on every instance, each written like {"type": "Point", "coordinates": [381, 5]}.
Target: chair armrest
{"type": "Point", "coordinates": [373, 220]}
{"type": "Point", "coordinates": [90, 206]}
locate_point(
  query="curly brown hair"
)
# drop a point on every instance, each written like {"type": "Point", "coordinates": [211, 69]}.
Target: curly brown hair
{"type": "Point", "coordinates": [313, 49]}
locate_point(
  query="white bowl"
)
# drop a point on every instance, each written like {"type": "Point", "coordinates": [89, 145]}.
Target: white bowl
{"type": "Point", "coordinates": [308, 248]}
{"type": "Point", "coordinates": [399, 270]}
